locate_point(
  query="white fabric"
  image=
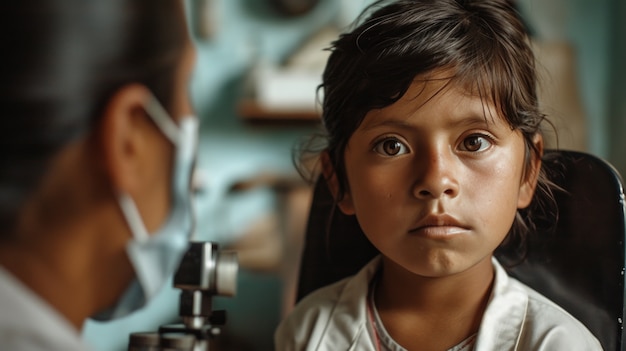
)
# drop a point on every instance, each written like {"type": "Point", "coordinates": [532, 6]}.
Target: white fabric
{"type": "Point", "coordinates": [27, 323]}
{"type": "Point", "coordinates": [334, 318]}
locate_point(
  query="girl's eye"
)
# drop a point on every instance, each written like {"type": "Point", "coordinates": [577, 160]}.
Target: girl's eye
{"type": "Point", "coordinates": [391, 147]}
{"type": "Point", "coordinates": [476, 143]}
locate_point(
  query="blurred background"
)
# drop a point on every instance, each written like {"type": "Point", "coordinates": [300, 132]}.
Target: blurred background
{"type": "Point", "coordinates": [259, 62]}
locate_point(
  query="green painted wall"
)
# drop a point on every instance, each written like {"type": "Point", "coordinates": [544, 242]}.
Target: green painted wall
{"type": "Point", "coordinates": [617, 122]}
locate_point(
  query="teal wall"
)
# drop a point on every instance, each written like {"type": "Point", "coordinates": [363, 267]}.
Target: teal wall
{"type": "Point", "coordinates": [618, 88]}
{"type": "Point", "coordinates": [585, 25]}
{"type": "Point", "coordinates": [589, 29]}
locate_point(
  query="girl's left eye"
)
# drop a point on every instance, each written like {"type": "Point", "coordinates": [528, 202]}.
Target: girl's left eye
{"type": "Point", "coordinates": [476, 143]}
{"type": "Point", "coordinates": [391, 147]}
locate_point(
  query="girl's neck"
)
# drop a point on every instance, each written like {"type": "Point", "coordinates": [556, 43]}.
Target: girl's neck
{"type": "Point", "coordinates": [399, 288]}
{"type": "Point", "coordinates": [421, 310]}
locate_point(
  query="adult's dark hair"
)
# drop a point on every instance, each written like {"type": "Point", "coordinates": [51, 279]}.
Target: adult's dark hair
{"type": "Point", "coordinates": [61, 62]}
{"type": "Point", "coordinates": [483, 42]}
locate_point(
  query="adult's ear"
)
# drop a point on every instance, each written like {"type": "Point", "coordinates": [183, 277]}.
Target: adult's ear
{"type": "Point", "coordinates": [343, 200]}
{"type": "Point", "coordinates": [531, 174]}
{"type": "Point", "coordinates": [122, 136]}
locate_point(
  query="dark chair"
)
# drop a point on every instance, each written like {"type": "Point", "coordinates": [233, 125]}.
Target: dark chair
{"type": "Point", "coordinates": [578, 263]}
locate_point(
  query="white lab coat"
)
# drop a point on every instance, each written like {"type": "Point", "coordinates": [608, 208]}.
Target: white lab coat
{"type": "Point", "coordinates": [27, 323]}
{"type": "Point", "coordinates": [334, 318]}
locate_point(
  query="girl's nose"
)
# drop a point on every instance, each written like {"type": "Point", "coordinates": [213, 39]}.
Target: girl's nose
{"type": "Point", "coordinates": [436, 177]}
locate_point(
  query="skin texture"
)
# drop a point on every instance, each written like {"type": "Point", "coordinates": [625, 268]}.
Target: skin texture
{"type": "Point", "coordinates": [435, 181]}
{"type": "Point", "coordinates": [70, 242]}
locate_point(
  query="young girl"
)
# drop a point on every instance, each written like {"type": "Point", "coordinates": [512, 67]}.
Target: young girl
{"type": "Point", "coordinates": [434, 145]}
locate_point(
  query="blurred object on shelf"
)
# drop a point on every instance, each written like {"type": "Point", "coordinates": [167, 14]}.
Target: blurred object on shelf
{"type": "Point", "coordinates": [285, 88]}
{"type": "Point", "coordinates": [313, 54]}
{"type": "Point", "coordinates": [252, 111]}
{"type": "Point", "coordinates": [289, 93]}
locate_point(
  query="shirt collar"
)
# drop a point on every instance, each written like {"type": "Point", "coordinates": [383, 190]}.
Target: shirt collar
{"type": "Point", "coordinates": [502, 322]}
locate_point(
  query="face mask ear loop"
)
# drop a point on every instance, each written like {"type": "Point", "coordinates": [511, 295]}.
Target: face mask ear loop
{"type": "Point", "coordinates": [193, 236]}
{"type": "Point", "coordinates": [192, 201]}
{"type": "Point", "coordinates": [158, 114]}
{"type": "Point", "coordinates": [189, 130]}
{"type": "Point", "coordinates": [133, 218]}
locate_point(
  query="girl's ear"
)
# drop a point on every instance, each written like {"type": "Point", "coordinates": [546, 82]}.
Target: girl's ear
{"type": "Point", "coordinates": [344, 201]}
{"type": "Point", "coordinates": [531, 174]}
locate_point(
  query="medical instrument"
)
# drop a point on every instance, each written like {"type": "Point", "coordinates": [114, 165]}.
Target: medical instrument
{"type": "Point", "coordinates": [204, 272]}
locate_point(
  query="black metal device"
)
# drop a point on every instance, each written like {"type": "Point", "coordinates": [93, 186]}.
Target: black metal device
{"type": "Point", "coordinates": [204, 272]}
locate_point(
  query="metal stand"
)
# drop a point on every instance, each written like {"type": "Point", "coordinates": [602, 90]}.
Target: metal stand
{"type": "Point", "coordinates": [204, 272]}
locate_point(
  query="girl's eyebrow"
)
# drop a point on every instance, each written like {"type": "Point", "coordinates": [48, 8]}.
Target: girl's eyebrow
{"type": "Point", "coordinates": [471, 120]}
{"type": "Point", "coordinates": [388, 123]}
{"type": "Point", "coordinates": [476, 120]}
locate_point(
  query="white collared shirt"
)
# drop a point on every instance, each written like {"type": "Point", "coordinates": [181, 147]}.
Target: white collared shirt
{"type": "Point", "coordinates": [27, 323]}
{"type": "Point", "coordinates": [334, 318]}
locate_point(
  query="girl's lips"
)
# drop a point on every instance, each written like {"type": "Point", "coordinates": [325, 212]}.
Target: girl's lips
{"type": "Point", "coordinates": [439, 225]}
{"type": "Point", "coordinates": [438, 231]}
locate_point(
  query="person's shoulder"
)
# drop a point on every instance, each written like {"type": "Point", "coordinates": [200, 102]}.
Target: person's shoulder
{"type": "Point", "coordinates": [549, 324]}
{"type": "Point", "coordinates": [317, 305]}
{"type": "Point", "coordinates": [319, 313]}
{"type": "Point", "coordinates": [325, 295]}
{"type": "Point", "coordinates": [308, 317]}
{"type": "Point", "coordinates": [347, 292]}
{"type": "Point", "coordinates": [523, 319]}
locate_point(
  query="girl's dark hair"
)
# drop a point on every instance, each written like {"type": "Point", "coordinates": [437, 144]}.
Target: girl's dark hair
{"type": "Point", "coordinates": [61, 62]}
{"type": "Point", "coordinates": [484, 42]}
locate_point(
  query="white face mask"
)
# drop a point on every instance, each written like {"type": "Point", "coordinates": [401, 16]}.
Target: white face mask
{"type": "Point", "coordinates": [155, 257]}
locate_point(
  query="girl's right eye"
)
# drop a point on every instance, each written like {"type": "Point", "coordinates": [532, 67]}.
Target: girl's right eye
{"type": "Point", "coordinates": [391, 147]}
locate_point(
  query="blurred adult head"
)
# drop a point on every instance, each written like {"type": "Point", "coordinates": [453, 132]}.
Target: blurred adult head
{"type": "Point", "coordinates": [77, 77]}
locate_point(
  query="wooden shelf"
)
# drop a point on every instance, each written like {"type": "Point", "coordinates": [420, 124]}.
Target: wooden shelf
{"type": "Point", "coordinates": [251, 111]}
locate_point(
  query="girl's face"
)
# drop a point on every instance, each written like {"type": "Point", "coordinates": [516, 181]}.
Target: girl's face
{"type": "Point", "coordinates": [436, 178]}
